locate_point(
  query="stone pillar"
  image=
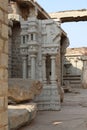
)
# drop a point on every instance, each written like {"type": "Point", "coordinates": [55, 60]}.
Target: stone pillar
{"type": "Point", "coordinates": [44, 68]}
{"type": "Point", "coordinates": [24, 67]}
{"type": "Point", "coordinates": [84, 74]}
{"type": "Point", "coordinates": [53, 66]}
{"type": "Point", "coordinates": [10, 23]}
{"type": "Point", "coordinates": [3, 64]}
{"type": "Point", "coordinates": [33, 66]}
{"type": "Point", "coordinates": [21, 39]}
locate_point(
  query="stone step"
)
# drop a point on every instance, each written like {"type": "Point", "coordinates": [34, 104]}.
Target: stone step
{"type": "Point", "coordinates": [72, 77]}
{"type": "Point", "coordinates": [74, 80]}
{"type": "Point", "coordinates": [75, 85]}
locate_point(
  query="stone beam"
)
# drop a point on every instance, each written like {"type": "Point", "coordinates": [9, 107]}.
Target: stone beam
{"type": "Point", "coordinates": [16, 8]}
{"type": "Point", "coordinates": [43, 14]}
{"type": "Point", "coordinates": [70, 15]}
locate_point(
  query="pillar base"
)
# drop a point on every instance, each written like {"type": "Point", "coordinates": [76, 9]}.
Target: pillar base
{"type": "Point", "coordinates": [49, 99]}
{"type": "Point", "coordinates": [44, 82]}
{"type": "Point", "coordinates": [53, 82]}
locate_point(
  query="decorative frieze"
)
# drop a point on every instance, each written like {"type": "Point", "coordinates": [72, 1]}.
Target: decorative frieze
{"type": "Point", "coordinates": [23, 51]}
{"type": "Point", "coordinates": [33, 48]}
{"type": "Point", "coordinates": [50, 49]}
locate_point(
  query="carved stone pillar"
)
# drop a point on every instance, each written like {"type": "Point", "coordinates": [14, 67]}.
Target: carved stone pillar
{"type": "Point", "coordinates": [53, 74]}
{"type": "Point", "coordinates": [24, 67]}
{"type": "Point", "coordinates": [44, 68]}
{"type": "Point", "coordinates": [84, 74]}
{"type": "Point", "coordinates": [21, 39]}
{"type": "Point", "coordinates": [10, 23]}
{"type": "Point", "coordinates": [33, 66]}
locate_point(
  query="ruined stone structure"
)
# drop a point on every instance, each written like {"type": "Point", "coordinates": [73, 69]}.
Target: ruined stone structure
{"type": "Point", "coordinates": [75, 66]}
{"type": "Point", "coordinates": [70, 15]}
{"type": "Point", "coordinates": [38, 47]}
{"type": "Point", "coordinates": [3, 64]}
{"type": "Point", "coordinates": [14, 49]}
{"type": "Point", "coordinates": [16, 10]}
{"type": "Point", "coordinates": [75, 75]}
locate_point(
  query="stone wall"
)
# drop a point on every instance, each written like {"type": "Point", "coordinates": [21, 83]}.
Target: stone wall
{"type": "Point", "coordinates": [16, 63]}
{"type": "Point", "coordinates": [76, 51]}
{"type": "Point", "coordinates": [3, 64]}
{"type": "Point", "coordinates": [74, 56]}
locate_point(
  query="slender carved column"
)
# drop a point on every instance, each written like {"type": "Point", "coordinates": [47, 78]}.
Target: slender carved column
{"type": "Point", "coordinates": [24, 67]}
{"type": "Point", "coordinates": [44, 68]}
{"type": "Point", "coordinates": [33, 68]}
{"type": "Point", "coordinates": [53, 75]}
{"type": "Point", "coordinates": [21, 39]}
{"type": "Point", "coordinates": [10, 23]}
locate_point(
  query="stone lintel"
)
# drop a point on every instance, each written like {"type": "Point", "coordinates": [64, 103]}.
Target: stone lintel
{"type": "Point", "coordinates": [39, 11]}
{"type": "Point", "coordinates": [70, 15]}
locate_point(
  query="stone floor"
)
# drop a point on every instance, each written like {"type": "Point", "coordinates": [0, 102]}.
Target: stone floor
{"type": "Point", "coordinates": [73, 114]}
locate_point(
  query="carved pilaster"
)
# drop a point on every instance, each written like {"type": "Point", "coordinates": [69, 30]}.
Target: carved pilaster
{"type": "Point", "coordinates": [24, 58]}
{"type": "Point", "coordinates": [9, 49]}
{"type": "Point", "coordinates": [53, 71]}
{"type": "Point", "coordinates": [44, 68]}
{"type": "Point", "coordinates": [33, 66]}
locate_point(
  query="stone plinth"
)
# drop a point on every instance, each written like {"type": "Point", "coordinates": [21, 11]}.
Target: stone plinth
{"type": "Point", "coordinates": [49, 99]}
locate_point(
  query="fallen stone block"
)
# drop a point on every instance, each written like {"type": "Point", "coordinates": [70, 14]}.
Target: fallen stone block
{"type": "Point", "coordinates": [20, 90]}
{"type": "Point", "coordinates": [20, 115]}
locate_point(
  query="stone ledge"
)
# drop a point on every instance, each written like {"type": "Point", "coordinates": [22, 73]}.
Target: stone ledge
{"type": "Point", "coordinates": [20, 115]}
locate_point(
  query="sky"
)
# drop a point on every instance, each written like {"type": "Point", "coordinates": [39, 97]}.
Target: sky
{"type": "Point", "coordinates": [76, 31]}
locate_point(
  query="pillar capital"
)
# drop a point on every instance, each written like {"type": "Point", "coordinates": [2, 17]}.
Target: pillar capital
{"type": "Point", "coordinates": [33, 56]}
{"type": "Point", "coordinates": [53, 57]}
{"type": "Point", "coordinates": [24, 57]}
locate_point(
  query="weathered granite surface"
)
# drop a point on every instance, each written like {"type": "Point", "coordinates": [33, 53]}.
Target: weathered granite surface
{"type": "Point", "coordinates": [3, 64]}
{"type": "Point", "coordinates": [20, 115]}
{"type": "Point", "coordinates": [20, 90]}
